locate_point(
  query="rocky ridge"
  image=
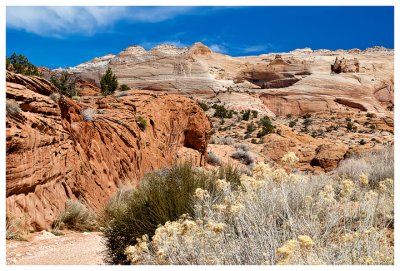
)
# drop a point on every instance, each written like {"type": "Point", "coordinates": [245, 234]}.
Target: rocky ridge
{"type": "Point", "coordinates": [60, 149]}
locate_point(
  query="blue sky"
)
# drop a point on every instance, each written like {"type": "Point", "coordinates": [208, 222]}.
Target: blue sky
{"type": "Point", "coordinates": [66, 36]}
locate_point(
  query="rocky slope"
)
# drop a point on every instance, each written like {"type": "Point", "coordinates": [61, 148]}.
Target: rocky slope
{"type": "Point", "coordinates": [60, 149]}
{"type": "Point", "coordinates": [297, 82]}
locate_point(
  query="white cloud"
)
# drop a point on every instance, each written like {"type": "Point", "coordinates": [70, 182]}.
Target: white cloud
{"type": "Point", "coordinates": [218, 48]}
{"type": "Point", "coordinates": [256, 48]}
{"type": "Point", "coordinates": [63, 21]}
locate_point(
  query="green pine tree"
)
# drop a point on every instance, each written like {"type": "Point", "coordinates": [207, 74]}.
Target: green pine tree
{"type": "Point", "coordinates": [109, 82]}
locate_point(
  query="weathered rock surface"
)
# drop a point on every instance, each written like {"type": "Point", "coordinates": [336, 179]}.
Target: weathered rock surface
{"type": "Point", "coordinates": [314, 154]}
{"type": "Point", "coordinates": [345, 65]}
{"type": "Point", "coordinates": [295, 83]}
{"type": "Point", "coordinates": [53, 154]}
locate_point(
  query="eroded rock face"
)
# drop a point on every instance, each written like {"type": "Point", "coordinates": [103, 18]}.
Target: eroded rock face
{"type": "Point", "coordinates": [297, 82]}
{"type": "Point", "coordinates": [53, 154]}
{"type": "Point", "coordinates": [345, 65]}
{"type": "Point", "coordinates": [317, 155]}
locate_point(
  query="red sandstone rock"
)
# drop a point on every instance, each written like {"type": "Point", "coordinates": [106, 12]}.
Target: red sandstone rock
{"type": "Point", "coordinates": [53, 154]}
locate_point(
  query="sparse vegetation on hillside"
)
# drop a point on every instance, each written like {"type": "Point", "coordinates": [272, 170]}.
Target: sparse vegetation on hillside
{"type": "Point", "coordinates": [222, 112]}
{"type": "Point", "coordinates": [21, 64]}
{"type": "Point", "coordinates": [108, 82]}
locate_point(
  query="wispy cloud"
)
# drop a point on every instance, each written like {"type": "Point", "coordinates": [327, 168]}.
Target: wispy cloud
{"type": "Point", "coordinates": [218, 48]}
{"type": "Point", "coordinates": [63, 21]}
{"type": "Point", "coordinates": [256, 48]}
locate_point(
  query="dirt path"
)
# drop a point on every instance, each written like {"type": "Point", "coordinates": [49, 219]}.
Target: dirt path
{"type": "Point", "coordinates": [44, 248]}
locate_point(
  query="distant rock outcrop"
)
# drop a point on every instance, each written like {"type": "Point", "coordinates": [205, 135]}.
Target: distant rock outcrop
{"type": "Point", "coordinates": [54, 154]}
{"type": "Point", "coordinates": [345, 65]}
{"type": "Point", "coordinates": [296, 82]}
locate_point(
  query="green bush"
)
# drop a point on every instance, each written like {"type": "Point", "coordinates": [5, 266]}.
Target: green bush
{"type": "Point", "coordinates": [141, 122]}
{"type": "Point", "coordinates": [65, 84]}
{"type": "Point", "coordinates": [246, 114]}
{"type": "Point", "coordinates": [76, 216]}
{"type": "Point", "coordinates": [203, 106]}
{"type": "Point", "coordinates": [162, 196]}
{"type": "Point", "coordinates": [124, 87]}
{"type": "Point", "coordinates": [108, 82]}
{"type": "Point", "coordinates": [254, 113]}
{"type": "Point", "coordinates": [222, 112]}
{"type": "Point", "coordinates": [20, 64]}
{"type": "Point", "coordinates": [250, 128]}
{"type": "Point", "coordinates": [292, 123]}
{"type": "Point", "coordinates": [266, 127]}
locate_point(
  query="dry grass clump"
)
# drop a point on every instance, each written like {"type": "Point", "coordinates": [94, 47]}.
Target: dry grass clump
{"type": "Point", "coordinates": [213, 159]}
{"type": "Point", "coordinates": [243, 154]}
{"type": "Point", "coordinates": [76, 216]}
{"type": "Point", "coordinates": [222, 141]}
{"type": "Point", "coordinates": [12, 107]}
{"type": "Point", "coordinates": [275, 217]}
{"type": "Point", "coordinates": [13, 228]}
{"type": "Point", "coordinates": [89, 114]}
{"type": "Point", "coordinates": [377, 165]}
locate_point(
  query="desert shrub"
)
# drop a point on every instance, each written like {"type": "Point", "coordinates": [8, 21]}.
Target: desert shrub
{"type": "Point", "coordinates": [351, 127]}
{"type": "Point", "coordinates": [65, 83]}
{"type": "Point", "coordinates": [362, 142]}
{"type": "Point", "coordinates": [307, 122]}
{"type": "Point", "coordinates": [89, 114]}
{"type": "Point", "coordinates": [222, 141]}
{"type": "Point", "coordinates": [289, 116]}
{"type": "Point", "coordinates": [204, 106]}
{"type": "Point", "coordinates": [162, 196]}
{"type": "Point", "coordinates": [222, 112]}
{"type": "Point", "coordinates": [141, 122]}
{"type": "Point", "coordinates": [108, 82]}
{"type": "Point", "coordinates": [20, 64]}
{"type": "Point", "coordinates": [250, 128]}
{"type": "Point", "coordinates": [254, 113]}
{"type": "Point", "coordinates": [124, 87]}
{"type": "Point", "coordinates": [213, 159]}
{"type": "Point", "coordinates": [243, 154]}
{"type": "Point", "coordinates": [292, 123]}
{"type": "Point", "coordinates": [76, 216]}
{"type": "Point", "coordinates": [307, 116]}
{"type": "Point", "coordinates": [278, 218]}
{"type": "Point", "coordinates": [378, 165]}
{"type": "Point", "coordinates": [246, 115]}
{"type": "Point", "coordinates": [12, 107]}
{"type": "Point", "coordinates": [13, 231]}
{"type": "Point", "coordinates": [348, 119]}
{"type": "Point", "coordinates": [266, 127]}
{"type": "Point", "coordinates": [55, 97]}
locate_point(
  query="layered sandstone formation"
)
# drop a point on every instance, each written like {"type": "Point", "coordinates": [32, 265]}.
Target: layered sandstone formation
{"type": "Point", "coordinates": [295, 83]}
{"type": "Point", "coordinates": [54, 154]}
